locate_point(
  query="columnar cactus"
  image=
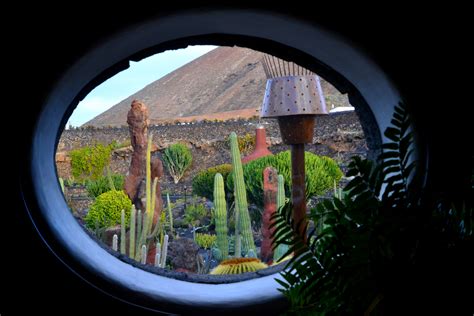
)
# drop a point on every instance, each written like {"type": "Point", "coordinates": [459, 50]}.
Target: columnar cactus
{"type": "Point", "coordinates": [158, 255]}
{"type": "Point", "coordinates": [138, 236]}
{"type": "Point", "coordinates": [143, 255]}
{"type": "Point", "coordinates": [170, 213]}
{"type": "Point", "coordinates": [123, 236]}
{"type": "Point", "coordinates": [115, 242]}
{"type": "Point", "coordinates": [220, 207]}
{"type": "Point", "coordinates": [133, 219]}
{"type": "Point", "coordinates": [164, 252]}
{"type": "Point", "coordinates": [241, 196]}
{"type": "Point", "coordinates": [270, 189]}
{"type": "Point", "coordinates": [281, 250]}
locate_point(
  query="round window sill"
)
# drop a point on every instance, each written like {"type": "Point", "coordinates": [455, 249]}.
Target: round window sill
{"type": "Point", "coordinates": [370, 91]}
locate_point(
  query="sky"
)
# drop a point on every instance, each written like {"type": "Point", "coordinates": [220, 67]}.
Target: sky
{"type": "Point", "coordinates": [131, 80]}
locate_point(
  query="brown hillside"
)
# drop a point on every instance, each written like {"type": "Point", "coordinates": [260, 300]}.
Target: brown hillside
{"type": "Point", "coordinates": [225, 79]}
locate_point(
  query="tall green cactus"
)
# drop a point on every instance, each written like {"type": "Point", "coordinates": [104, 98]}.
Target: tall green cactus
{"type": "Point", "coordinates": [281, 250]}
{"type": "Point", "coordinates": [133, 219]}
{"type": "Point", "coordinates": [170, 212]}
{"type": "Point", "coordinates": [123, 236]}
{"type": "Point", "coordinates": [241, 197]}
{"type": "Point", "coordinates": [220, 207]}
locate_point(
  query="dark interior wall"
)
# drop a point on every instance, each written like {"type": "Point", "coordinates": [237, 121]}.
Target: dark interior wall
{"type": "Point", "coordinates": [421, 51]}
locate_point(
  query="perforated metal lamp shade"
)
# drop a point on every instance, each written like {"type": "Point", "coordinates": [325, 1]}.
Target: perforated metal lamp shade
{"type": "Point", "coordinates": [294, 101]}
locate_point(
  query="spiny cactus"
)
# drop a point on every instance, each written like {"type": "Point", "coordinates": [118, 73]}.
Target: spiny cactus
{"type": "Point", "coordinates": [239, 265]}
{"type": "Point", "coordinates": [220, 207]}
{"type": "Point", "coordinates": [115, 242]}
{"type": "Point", "coordinates": [143, 255]}
{"type": "Point", "coordinates": [123, 236]}
{"type": "Point", "coordinates": [241, 196]}
{"type": "Point", "coordinates": [133, 220]}
{"type": "Point", "coordinates": [237, 239]}
{"type": "Point", "coordinates": [158, 255]}
{"type": "Point", "coordinates": [282, 249]}
{"type": "Point", "coordinates": [164, 252]}
{"type": "Point", "coordinates": [170, 213]}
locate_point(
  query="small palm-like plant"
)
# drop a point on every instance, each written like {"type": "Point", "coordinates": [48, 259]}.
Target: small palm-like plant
{"type": "Point", "coordinates": [177, 159]}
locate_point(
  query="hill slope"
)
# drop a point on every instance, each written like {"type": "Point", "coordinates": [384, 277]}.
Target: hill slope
{"type": "Point", "coordinates": [225, 79]}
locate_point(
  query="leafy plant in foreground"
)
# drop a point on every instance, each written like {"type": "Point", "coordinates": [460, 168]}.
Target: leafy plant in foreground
{"type": "Point", "coordinates": [375, 239]}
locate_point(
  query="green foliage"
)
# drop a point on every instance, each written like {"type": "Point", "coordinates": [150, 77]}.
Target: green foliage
{"type": "Point", "coordinates": [203, 182]}
{"type": "Point", "coordinates": [374, 238]}
{"type": "Point", "coordinates": [321, 172]}
{"type": "Point", "coordinates": [177, 159]}
{"type": "Point", "coordinates": [106, 209]}
{"type": "Point", "coordinates": [101, 185]}
{"type": "Point", "coordinates": [194, 214]}
{"type": "Point", "coordinates": [205, 240]}
{"type": "Point", "coordinates": [89, 162]}
{"type": "Point", "coordinates": [246, 143]}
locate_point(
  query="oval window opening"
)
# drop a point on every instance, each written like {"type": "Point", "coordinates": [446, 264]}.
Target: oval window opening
{"type": "Point", "coordinates": [89, 252]}
{"type": "Point", "coordinates": [175, 112]}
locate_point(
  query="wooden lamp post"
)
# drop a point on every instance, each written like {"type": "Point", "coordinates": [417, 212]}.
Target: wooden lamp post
{"type": "Point", "coordinates": [293, 95]}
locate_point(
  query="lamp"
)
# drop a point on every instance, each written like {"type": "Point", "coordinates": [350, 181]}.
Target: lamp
{"type": "Point", "coordinates": [294, 97]}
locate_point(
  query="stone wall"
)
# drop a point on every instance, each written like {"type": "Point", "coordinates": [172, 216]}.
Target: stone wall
{"type": "Point", "coordinates": [337, 135]}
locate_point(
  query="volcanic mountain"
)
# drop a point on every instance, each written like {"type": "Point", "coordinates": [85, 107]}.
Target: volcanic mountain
{"type": "Point", "coordinates": [227, 82]}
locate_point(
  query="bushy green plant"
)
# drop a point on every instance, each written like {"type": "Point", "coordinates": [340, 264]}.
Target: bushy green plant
{"type": "Point", "coordinates": [89, 162]}
{"type": "Point", "coordinates": [203, 182]}
{"type": "Point", "coordinates": [246, 143]}
{"type": "Point", "coordinates": [321, 172]}
{"type": "Point", "coordinates": [194, 214]}
{"type": "Point", "coordinates": [177, 159]}
{"type": "Point", "coordinates": [205, 240]}
{"type": "Point", "coordinates": [101, 185]}
{"type": "Point", "coordinates": [106, 209]}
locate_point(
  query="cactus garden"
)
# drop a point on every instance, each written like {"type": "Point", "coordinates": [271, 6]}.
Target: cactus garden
{"type": "Point", "coordinates": [220, 225]}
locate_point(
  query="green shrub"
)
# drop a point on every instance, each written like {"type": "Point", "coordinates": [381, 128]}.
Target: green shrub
{"type": "Point", "coordinates": [195, 214]}
{"type": "Point", "coordinates": [177, 159]}
{"type": "Point", "coordinates": [203, 182]}
{"type": "Point", "coordinates": [246, 143]}
{"type": "Point", "coordinates": [205, 240]}
{"type": "Point", "coordinates": [89, 162]}
{"type": "Point", "coordinates": [320, 175]}
{"type": "Point", "coordinates": [101, 185]}
{"type": "Point", "coordinates": [107, 208]}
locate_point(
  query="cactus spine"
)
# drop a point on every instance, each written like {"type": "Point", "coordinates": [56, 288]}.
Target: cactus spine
{"type": "Point", "coordinates": [241, 196]}
{"type": "Point", "coordinates": [282, 249]}
{"type": "Point", "coordinates": [115, 242]}
{"type": "Point", "coordinates": [133, 218]}
{"type": "Point", "coordinates": [220, 206]}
